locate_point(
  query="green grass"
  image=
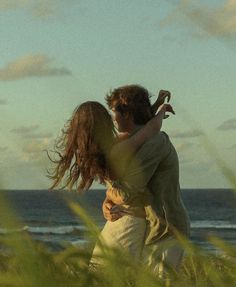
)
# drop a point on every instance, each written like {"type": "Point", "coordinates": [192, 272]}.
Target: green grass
{"type": "Point", "coordinates": [27, 263]}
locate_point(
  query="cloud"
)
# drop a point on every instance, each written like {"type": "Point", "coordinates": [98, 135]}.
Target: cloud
{"type": "Point", "coordinates": [183, 159]}
{"type": "Point", "coordinates": [228, 125]}
{"type": "Point", "coordinates": [12, 4]}
{"type": "Point", "coordinates": [218, 21]}
{"type": "Point", "coordinates": [36, 146]}
{"type": "Point", "coordinates": [37, 65]}
{"type": "Point", "coordinates": [39, 135]}
{"type": "Point", "coordinates": [200, 166]}
{"type": "Point", "coordinates": [41, 9]}
{"type": "Point", "coordinates": [23, 130]}
{"type": "Point", "coordinates": [187, 134]}
{"type": "Point", "coordinates": [34, 152]}
{"type": "Point", "coordinates": [3, 102]}
{"type": "Point", "coordinates": [183, 146]}
{"type": "Point", "coordinates": [31, 132]}
{"type": "Point", "coordinates": [44, 9]}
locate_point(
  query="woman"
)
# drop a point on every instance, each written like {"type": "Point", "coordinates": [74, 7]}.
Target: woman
{"type": "Point", "coordinates": [88, 149]}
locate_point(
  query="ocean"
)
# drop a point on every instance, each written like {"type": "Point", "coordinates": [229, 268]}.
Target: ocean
{"type": "Point", "coordinates": [46, 217]}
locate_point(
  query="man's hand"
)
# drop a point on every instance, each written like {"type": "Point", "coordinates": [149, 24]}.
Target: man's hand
{"type": "Point", "coordinates": [162, 96]}
{"type": "Point", "coordinates": [111, 211]}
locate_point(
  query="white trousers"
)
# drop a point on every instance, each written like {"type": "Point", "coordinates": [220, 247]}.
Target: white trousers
{"type": "Point", "coordinates": [127, 233]}
{"type": "Point", "coordinates": [163, 255]}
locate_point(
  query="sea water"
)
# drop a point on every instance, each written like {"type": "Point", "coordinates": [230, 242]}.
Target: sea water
{"type": "Point", "coordinates": [46, 217]}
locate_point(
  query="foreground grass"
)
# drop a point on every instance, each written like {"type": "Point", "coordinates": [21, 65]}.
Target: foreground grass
{"type": "Point", "coordinates": [24, 263]}
{"type": "Point", "coordinates": [69, 268]}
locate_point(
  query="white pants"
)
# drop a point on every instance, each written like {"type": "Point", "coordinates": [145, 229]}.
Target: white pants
{"type": "Point", "coordinates": [163, 255]}
{"type": "Point", "coordinates": [127, 233]}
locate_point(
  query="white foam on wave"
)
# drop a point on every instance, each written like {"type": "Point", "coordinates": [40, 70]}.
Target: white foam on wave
{"type": "Point", "coordinates": [79, 242]}
{"type": "Point", "coordinates": [215, 224]}
{"type": "Point", "coordinates": [66, 229]}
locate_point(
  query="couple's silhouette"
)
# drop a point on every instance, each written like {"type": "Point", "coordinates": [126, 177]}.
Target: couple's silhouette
{"type": "Point", "coordinates": [139, 165]}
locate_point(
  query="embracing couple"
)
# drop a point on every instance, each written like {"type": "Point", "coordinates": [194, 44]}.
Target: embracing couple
{"type": "Point", "coordinates": [140, 167]}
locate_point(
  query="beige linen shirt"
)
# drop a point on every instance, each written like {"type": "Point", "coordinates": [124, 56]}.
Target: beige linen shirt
{"type": "Point", "coordinates": [151, 181]}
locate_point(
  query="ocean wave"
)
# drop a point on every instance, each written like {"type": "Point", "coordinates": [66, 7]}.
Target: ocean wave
{"type": "Point", "coordinates": [212, 224]}
{"type": "Point", "coordinates": [78, 229]}
{"type": "Point", "coordinates": [57, 230]}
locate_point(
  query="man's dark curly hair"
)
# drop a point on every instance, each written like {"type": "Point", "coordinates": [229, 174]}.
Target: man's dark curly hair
{"type": "Point", "coordinates": [131, 99]}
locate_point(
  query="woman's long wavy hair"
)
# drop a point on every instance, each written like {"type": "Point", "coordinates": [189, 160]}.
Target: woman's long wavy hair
{"type": "Point", "coordinates": [83, 148]}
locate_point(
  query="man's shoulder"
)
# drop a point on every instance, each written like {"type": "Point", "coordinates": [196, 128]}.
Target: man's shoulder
{"type": "Point", "coordinates": [154, 145]}
{"type": "Point", "coordinates": [159, 138]}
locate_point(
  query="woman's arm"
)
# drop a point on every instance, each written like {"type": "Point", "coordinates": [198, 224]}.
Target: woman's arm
{"type": "Point", "coordinates": [126, 148]}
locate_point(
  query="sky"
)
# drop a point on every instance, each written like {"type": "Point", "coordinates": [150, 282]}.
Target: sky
{"type": "Point", "coordinates": [57, 54]}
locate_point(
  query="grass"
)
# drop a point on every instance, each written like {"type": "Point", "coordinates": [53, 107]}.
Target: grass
{"type": "Point", "coordinates": [26, 263]}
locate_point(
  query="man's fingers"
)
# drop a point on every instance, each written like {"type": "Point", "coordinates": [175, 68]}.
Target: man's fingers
{"type": "Point", "coordinates": [115, 208]}
{"type": "Point", "coordinates": [111, 212]}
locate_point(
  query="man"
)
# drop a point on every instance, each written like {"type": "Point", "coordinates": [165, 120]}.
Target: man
{"type": "Point", "coordinates": [154, 172]}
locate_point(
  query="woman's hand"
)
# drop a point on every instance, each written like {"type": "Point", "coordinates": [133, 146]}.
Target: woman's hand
{"type": "Point", "coordinates": [154, 125]}
{"type": "Point", "coordinates": [110, 210]}
{"type": "Point", "coordinates": [162, 96]}
{"type": "Point", "coordinates": [165, 108]}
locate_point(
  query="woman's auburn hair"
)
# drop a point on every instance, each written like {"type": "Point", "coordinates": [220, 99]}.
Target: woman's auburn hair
{"type": "Point", "coordinates": [83, 148]}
